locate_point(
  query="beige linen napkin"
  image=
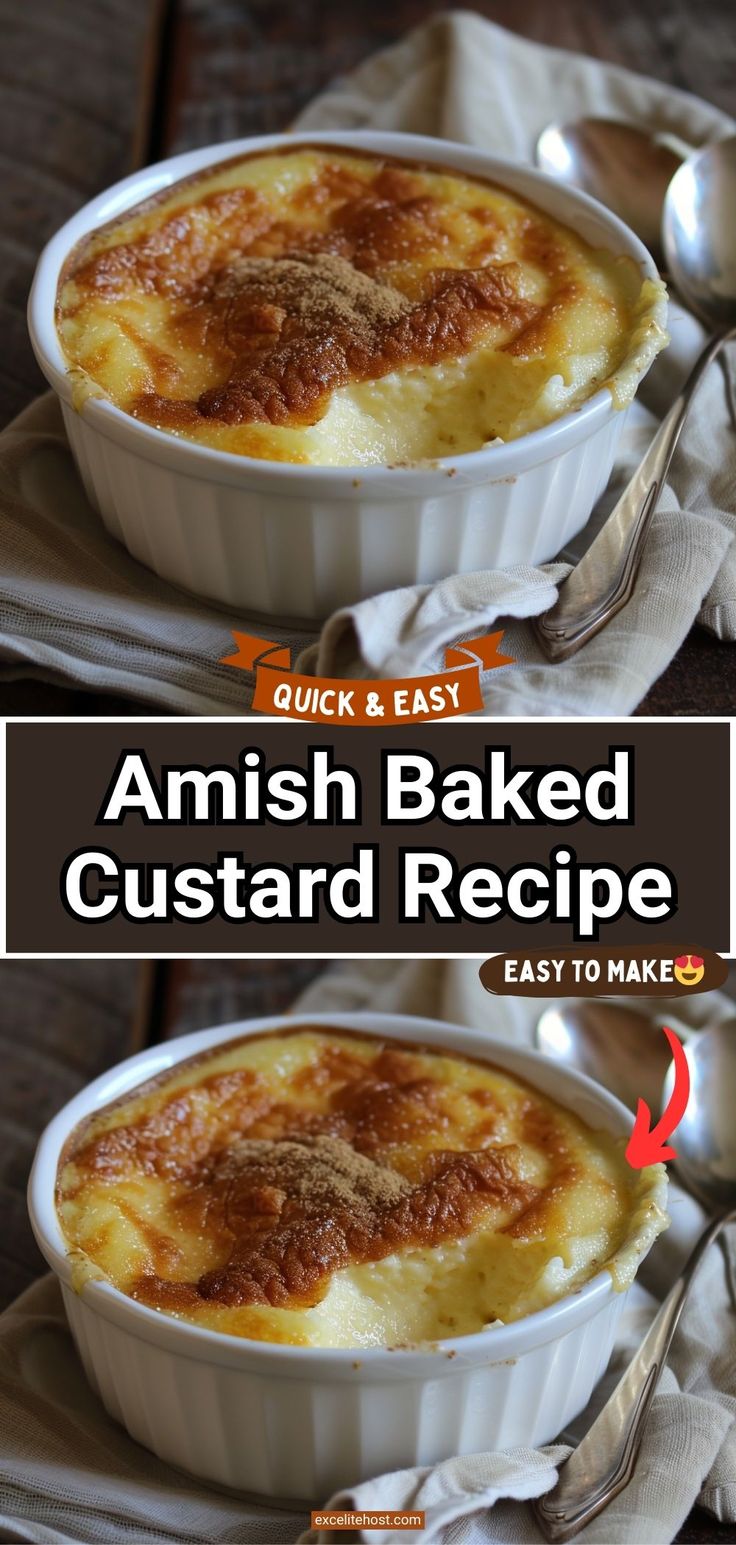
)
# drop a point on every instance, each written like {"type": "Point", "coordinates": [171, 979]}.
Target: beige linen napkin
{"type": "Point", "coordinates": [68, 1473]}
{"type": "Point", "coordinates": [74, 607]}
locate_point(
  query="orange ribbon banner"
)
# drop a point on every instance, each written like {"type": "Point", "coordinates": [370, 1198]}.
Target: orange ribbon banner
{"type": "Point", "coordinates": [282, 693]}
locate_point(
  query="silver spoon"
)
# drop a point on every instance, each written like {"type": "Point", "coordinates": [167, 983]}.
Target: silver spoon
{"type": "Point", "coordinates": [627, 168]}
{"type": "Point", "coordinates": [699, 236]}
{"type": "Point", "coordinates": [604, 1461]}
{"type": "Point", "coordinates": [621, 1048]}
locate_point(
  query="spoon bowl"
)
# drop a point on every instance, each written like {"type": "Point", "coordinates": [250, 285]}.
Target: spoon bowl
{"type": "Point", "coordinates": [619, 1047]}
{"type": "Point", "coordinates": [699, 233]}
{"type": "Point", "coordinates": [625, 167]}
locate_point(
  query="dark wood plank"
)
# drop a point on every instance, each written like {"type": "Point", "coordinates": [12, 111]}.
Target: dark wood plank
{"type": "Point", "coordinates": [700, 680]}
{"type": "Point", "coordinates": [248, 68]}
{"type": "Point", "coordinates": [73, 119]}
{"type": "Point", "coordinates": [702, 1529]}
{"type": "Point", "coordinates": [61, 1023]}
{"type": "Point", "coordinates": [77, 95]}
{"type": "Point", "coordinates": [193, 994]}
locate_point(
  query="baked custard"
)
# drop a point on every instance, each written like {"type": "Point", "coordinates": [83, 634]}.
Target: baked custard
{"type": "Point", "coordinates": [323, 306]}
{"type": "Point", "coordinates": [321, 1188]}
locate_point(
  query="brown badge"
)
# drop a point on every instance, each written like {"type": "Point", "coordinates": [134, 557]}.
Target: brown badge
{"type": "Point", "coordinates": [656, 971]}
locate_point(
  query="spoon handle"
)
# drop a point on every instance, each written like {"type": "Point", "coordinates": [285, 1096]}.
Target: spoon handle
{"type": "Point", "coordinates": [603, 581]}
{"type": "Point", "coordinates": [603, 1463]}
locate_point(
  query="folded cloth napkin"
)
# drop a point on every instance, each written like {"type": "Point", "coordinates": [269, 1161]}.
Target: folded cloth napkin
{"type": "Point", "coordinates": [74, 607]}
{"type": "Point", "coordinates": [68, 1473]}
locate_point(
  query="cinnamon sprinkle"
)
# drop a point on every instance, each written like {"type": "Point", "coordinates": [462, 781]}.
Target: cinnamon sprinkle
{"type": "Point", "coordinates": [299, 1210]}
{"type": "Point", "coordinates": [350, 1162]}
{"type": "Point", "coordinates": [282, 296]}
{"type": "Point", "coordinates": [298, 326]}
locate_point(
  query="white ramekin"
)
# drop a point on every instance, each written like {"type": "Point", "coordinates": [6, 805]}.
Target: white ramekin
{"type": "Point", "coordinates": [301, 541]}
{"type": "Point", "coordinates": [297, 1423]}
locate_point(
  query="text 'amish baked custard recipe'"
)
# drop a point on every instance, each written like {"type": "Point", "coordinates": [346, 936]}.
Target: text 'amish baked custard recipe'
{"type": "Point", "coordinates": [328, 307]}
{"type": "Point", "coordinates": [323, 1188]}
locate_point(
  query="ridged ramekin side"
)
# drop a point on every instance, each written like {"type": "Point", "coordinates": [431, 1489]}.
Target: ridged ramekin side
{"type": "Point", "coordinates": [289, 1437]}
{"type": "Point", "coordinates": [295, 555]}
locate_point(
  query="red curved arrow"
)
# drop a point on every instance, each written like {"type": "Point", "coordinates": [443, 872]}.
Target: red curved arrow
{"type": "Point", "coordinates": [648, 1144]}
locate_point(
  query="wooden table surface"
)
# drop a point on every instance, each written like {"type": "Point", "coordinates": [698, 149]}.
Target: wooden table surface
{"type": "Point", "coordinates": [93, 88]}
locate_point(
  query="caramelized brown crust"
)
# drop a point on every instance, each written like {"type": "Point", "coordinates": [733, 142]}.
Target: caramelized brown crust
{"type": "Point", "coordinates": [288, 1240]}
{"type": "Point", "coordinates": [349, 1165]}
{"type": "Point", "coordinates": [287, 358]}
{"type": "Point", "coordinates": [241, 278]}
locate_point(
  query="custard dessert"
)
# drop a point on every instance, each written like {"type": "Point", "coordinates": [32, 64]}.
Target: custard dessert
{"type": "Point", "coordinates": [329, 307]}
{"type": "Point", "coordinates": [326, 1189]}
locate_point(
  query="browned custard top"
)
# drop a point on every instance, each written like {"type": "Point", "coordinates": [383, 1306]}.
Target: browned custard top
{"type": "Point", "coordinates": [249, 1178]}
{"type": "Point", "coordinates": [291, 1194]}
{"type": "Point", "coordinates": [249, 295]}
{"type": "Point", "coordinates": [290, 311]}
